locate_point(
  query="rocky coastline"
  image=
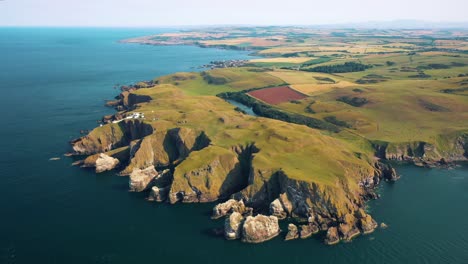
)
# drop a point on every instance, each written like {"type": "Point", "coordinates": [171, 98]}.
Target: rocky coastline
{"type": "Point", "coordinates": [251, 213]}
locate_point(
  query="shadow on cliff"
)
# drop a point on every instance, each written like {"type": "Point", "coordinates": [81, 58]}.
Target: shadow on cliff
{"type": "Point", "coordinates": [238, 178]}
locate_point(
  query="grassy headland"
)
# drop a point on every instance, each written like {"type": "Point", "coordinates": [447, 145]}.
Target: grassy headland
{"type": "Point", "coordinates": [370, 96]}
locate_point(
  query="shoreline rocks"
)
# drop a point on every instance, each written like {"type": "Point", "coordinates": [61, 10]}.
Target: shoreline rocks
{"type": "Point", "coordinates": [308, 230]}
{"type": "Point", "coordinates": [233, 226]}
{"type": "Point", "coordinates": [140, 179]}
{"type": "Point", "coordinates": [228, 207]}
{"type": "Point", "coordinates": [105, 163]}
{"type": "Point", "coordinates": [277, 209]}
{"type": "Point", "coordinates": [260, 228]}
{"type": "Point", "coordinates": [292, 232]}
{"type": "Point", "coordinates": [158, 194]}
{"type": "Point", "coordinates": [332, 236]}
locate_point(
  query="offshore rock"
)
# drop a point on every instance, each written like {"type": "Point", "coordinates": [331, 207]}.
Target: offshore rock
{"type": "Point", "coordinates": [277, 209]}
{"type": "Point", "coordinates": [140, 180]}
{"type": "Point", "coordinates": [292, 232]}
{"type": "Point", "coordinates": [287, 205]}
{"type": "Point", "coordinates": [385, 171]}
{"type": "Point", "coordinates": [158, 194]}
{"type": "Point", "coordinates": [228, 207]}
{"type": "Point", "coordinates": [105, 163]}
{"type": "Point", "coordinates": [390, 173]}
{"type": "Point", "coordinates": [260, 228]}
{"type": "Point", "coordinates": [233, 226]}
{"type": "Point", "coordinates": [308, 230]}
{"type": "Point", "coordinates": [332, 236]}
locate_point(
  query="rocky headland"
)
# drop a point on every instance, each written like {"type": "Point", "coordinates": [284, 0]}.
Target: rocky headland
{"type": "Point", "coordinates": [180, 147]}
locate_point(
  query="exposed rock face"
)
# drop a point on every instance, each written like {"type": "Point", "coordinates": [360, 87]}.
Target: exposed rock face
{"type": "Point", "coordinates": [160, 190]}
{"type": "Point", "coordinates": [332, 236]}
{"type": "Point", "coordinates": [277, 209]}
{"type": "Point", "coordinates": [260, 228]}
{"type": "Point", "coordinates": [300, 197]}
{"type": "Point", "coordinates": [105, 163]}
{"type": "Point", "coordinates": [218, 176]}
{"type": "Point", "coordinates": [233, 226]}
{"type": "Point", "coordinates": [149, 151]}
{"type": "Point", "coordinates": [286, 203]}
{"type": "Point", "coordinates": [164, 147]}
{"type": "Point", "coordinates": [368, 225]}
{"type": "Point", "coordinates": [140, 180]}
{"type": "Point", "coordinates": [158, 194]}
{"type": "Point", "coordinates": [348, 228]}
{"type": "Point", "coordinates": [111, 136]}
{"type": "Point", "coordinates": [454, 148]}
{"type": "Point", "coordinates": [308, 230]}
{"type": "Point", "coordinates": [228, 207]}
{"type": "Point", "coordinates": [292, 232]}
{"type": "Point", "coordinates": [387, 172]}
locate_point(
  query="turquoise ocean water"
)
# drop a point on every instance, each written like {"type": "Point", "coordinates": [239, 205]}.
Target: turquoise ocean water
{"type": "Point", "coordinates": [53, 83]}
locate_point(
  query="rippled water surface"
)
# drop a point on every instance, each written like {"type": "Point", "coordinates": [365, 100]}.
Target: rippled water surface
{"type": "Point", "coordinates": [54, 83]}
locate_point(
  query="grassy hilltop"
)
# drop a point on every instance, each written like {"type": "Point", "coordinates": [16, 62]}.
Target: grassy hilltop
{"type": "Point", "coordinates": [367, 96]}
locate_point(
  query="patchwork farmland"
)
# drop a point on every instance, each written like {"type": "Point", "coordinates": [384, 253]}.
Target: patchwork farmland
{"type": "Point", "coordinates": [277, 95]}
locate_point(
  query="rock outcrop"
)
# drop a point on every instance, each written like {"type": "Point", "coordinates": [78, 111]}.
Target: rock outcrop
{"type": "Point", "coordinates": [105, 163]}
{"type": "Point", "coordinates": [140, 180]}
{"type": "Point", "coordinates": [308, 230]}
{"type": "Point", "coordinates": [158, 194]}
{"type": "Point", "coordinates": [233, 226]}
{"type": "Point", "coordinates": [444, 150]}
{"type": "Point", "coordinates": [260, 228]}
{"type": "Point", "coordinates": [368, 224]}
{"type": "Point", "coordinates": [387, 172]}
{"type": "Point", "coordinates": [332, 236]}
{"type": "Point", "coordinates": [347, 228]}
{"type": "Point", "coordinates": [277, 209]}
{"type": "Point", "coordinates": [293, 232]}
{"type": "Point", "coordinates": [228, 207]}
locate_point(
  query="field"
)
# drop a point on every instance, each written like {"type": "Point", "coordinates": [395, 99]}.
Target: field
{"type": "Point", "coordinates": [277, 95]}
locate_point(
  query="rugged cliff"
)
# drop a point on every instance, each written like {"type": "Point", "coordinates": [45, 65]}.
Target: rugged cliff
{"type": "Point", "coordinates": [441, 151]}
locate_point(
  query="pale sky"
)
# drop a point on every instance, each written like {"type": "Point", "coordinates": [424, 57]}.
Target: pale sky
{"type": "Point", "coordinates": [135, 13]}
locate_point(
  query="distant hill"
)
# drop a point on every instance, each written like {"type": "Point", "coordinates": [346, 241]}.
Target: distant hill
{"type": "Point", "coordinates": [400, 24]}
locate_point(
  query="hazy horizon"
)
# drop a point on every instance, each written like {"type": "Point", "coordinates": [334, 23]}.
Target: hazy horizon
{"type": "Point", "coordinates": [183, 13]}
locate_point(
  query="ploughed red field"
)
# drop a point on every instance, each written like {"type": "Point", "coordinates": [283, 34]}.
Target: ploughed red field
{"type": "Point", "coordinates": [277, 95]}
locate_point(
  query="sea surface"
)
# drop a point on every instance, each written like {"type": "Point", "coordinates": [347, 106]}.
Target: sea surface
{"type": "Point", "coordinates": [53, 83]}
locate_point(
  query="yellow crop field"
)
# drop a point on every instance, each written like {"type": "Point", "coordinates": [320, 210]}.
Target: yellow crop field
{"type": "Point", "coordinates": [291, 49]}
{"type": "Point", "coordinates": [282, 60]}
{"type": "Point", "coordinates": [310, 89]}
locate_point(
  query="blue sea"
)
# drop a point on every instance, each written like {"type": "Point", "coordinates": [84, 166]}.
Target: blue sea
{"type": "Point", "coordinates": [54, 83]}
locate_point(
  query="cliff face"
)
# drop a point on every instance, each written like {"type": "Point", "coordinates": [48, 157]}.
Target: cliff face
{"type": "Point", "coordinates": [451, 147]}
{"type": "Point", "coordinates": [217, 174]}
{"type": "Point", "coordinates": [111, 136]}
{"type": "Point", "coordinates": [305, 198]}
